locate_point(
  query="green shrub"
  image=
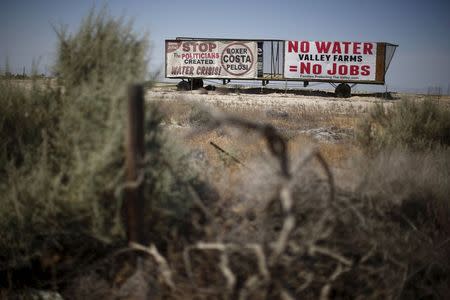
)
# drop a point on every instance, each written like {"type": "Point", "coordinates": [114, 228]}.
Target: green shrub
{"type": "Point", "coordinates": [25, 117]}
{"type": "Point", "coordinates": [416, 183]}
{"type": "Point", "coordinates": [62, 152]}
{"type": "Point", "coordinates": [104, 52]}
{"type": "Point", "coordinates": [415, 125]}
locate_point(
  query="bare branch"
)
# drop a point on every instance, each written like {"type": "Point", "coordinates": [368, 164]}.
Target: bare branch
{"type": "Point", "coordinates": [327, 252]}
{"type": "Point", "coordinates": [261, 258]}
{"type": "Point", "coordinates": [223, 264]}
{"type": "Point", "coordinates": [280, 245]}
{"type": "Point", "coordinates": [163, 266]}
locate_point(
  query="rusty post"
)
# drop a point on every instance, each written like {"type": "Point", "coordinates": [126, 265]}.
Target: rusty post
{"type": "Point", "coordinates": [134, 155]}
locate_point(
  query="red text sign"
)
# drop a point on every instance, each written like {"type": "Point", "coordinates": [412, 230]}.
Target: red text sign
{"type": "Point", "coordinates": [347, 61]}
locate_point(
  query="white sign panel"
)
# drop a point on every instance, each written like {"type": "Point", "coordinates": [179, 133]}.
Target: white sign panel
{"type": "Point", "coordinates": [352, 61]}
{"type": "Point", "coordinates": [211, 59]}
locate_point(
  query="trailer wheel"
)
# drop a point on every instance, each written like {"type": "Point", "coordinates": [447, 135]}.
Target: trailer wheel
{"type": "Point", "coordinates": [187, 85]}
{"type": "Point", "coordinates": [197, 84]}
{"type": "Point", "coordinates": [343, 90]}
{"type": "Point", "coordinates": [183, 85]}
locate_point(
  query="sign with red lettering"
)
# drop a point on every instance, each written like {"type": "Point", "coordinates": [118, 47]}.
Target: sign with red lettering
{"type": "Point", "coordinates": [211, 59]}
{"type": "Point", "coordinates": [346, 61]}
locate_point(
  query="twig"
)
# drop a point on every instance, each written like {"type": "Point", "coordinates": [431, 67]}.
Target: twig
{"type": "Point", "coordinates": [327, 252]}
{"type": "Point", "coordinates": [221, 150]}
{"type": "Point", "coordinates": [309, 277]}
{"type": "Point", "coordinates": [325, 291]}
{"type": "Point", "coordinates": [261, 258]}
{"type": "Point", "coordinates": [368, 254]}
{"type": "Point", "coordinates": [223, 264]}
{"type": "Point", "coordinates": [280, 245]}
{"type": "Point", "coordinates": [284, 295]}
{"type": "Point", "coordinates": [327, 169]}
{"type": "Point", "coordinates": [133, 184]}
{"type": "Point", "coordinates": [163, 266]}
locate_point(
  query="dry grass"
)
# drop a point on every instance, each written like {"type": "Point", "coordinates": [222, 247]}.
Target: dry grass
{"type": "Point", "coordinates": [179, 110]}
{"type": "Point", "coordinates": [385, 236]}
{"type": "Point", "coordinates": [291, 122]}
{"type": "Point", "coordinates": [373, 242]}
{"type": "Point", "coordinates": [410, 124]}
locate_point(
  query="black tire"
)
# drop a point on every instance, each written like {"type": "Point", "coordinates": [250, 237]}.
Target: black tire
{"type": "Point", "coordinates": [183, 86]}
{"type": "Point", "coordinates": [187, 85]}
{"type": "Point", "coordinates": [198, 83]}
{"type": "Point", "coordinates": [343, 90]}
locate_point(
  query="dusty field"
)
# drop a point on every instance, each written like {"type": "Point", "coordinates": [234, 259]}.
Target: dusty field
{"type": "Point", "coordinates": [240, 99]}
{"type": "Point", "coordinates": [318, 120]}
{"type": "Point", "coordinates": [305, 120]}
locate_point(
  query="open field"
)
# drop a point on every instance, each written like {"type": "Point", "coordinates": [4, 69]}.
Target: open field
{"type": "Point", "coordinates": [319, 119]}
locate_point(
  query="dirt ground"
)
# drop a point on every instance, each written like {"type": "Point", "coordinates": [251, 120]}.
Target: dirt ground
{"type": "Point", "coordinates": [305, 118]}
{"type": "Point", "coordinates": [260, 98]}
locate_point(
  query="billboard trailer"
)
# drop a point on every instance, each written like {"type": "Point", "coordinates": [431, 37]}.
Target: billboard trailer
{"type": "Point", "coordinates": [339, 63]}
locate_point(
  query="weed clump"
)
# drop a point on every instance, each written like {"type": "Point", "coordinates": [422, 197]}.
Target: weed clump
{"type": "Point", "coordinates": [26, 118]}
{"type": "Point", "coordinates": [408, 124]}
{"type": "Point", "coordinates": [103, 52]}
{"type": "Point", "coordinates": [61, 156]}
